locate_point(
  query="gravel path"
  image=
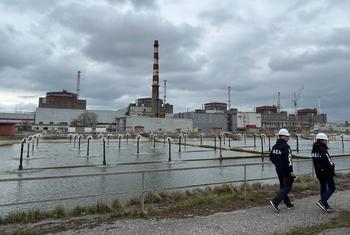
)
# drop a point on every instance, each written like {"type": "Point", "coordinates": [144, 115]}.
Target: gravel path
{"type": "Point", "coordinates": [256, 220]}
{"type": "Point", "coordinates": [337, 231]}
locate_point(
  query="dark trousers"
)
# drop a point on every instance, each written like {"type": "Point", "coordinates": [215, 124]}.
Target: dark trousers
{"type": "Point", "coordinates": [327, 187]}
{"type": "Point", "coordinates": [286, 183]}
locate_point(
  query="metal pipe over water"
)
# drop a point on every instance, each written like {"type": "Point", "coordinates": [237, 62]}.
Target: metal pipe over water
{"type": "Point", "coordinates": [24, 140]}
{"type": "Point", "coordinates": [169, 141]}
{"type": "Point", "coordinates": [88, 144]}
{"type": "Point", "coordinates": [104, 150]}
{"type": "Point", "coordinates": [138, 143]}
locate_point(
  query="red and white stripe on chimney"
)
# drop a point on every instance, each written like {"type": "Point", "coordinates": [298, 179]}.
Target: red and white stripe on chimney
{"type": "Point", "coordinates": [155, 81]}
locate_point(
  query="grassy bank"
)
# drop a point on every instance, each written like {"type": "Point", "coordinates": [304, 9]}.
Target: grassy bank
{"type": "Point", "coordinates": [342, 220]}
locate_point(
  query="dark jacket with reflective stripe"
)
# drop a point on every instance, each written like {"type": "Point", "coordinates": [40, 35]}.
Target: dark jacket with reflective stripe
{"type": "Point", "coordinates": [281, 157]}
{"type": "Point", "coordinates": [323, 163]}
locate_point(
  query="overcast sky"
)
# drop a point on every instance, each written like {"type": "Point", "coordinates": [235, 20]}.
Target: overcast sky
{"type": "Point", "coordinates": [256, 47]}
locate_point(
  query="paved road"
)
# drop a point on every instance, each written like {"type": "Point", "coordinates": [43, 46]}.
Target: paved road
{"type": "Point", "coordinates": [257, 220]}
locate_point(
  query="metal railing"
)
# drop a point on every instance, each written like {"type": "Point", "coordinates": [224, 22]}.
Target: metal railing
{"type": "Point", "coordinates": [144, 190]}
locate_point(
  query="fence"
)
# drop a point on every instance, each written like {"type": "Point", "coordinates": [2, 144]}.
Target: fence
{"type": "Point", "coordinates": [144, 190]}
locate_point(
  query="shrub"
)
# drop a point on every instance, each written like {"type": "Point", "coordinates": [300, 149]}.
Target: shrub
{"type": "Point", "coordinates": [59, 212]}
{"type": "Point", "coordinates": [152, 198]}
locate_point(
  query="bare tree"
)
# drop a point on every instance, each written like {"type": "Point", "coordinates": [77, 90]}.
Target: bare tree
{"type": "Point", "coordinates": [86, 119]}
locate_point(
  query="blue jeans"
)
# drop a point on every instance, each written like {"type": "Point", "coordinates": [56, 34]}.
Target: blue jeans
{"type": "Point", "coordinates": [286, 183]}
{"type": "Point", "coordinates": [327, 188]}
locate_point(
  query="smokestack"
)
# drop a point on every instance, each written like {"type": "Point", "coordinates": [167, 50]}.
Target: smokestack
{"type": "Point", "coordinates": [155, 81]}
{"type": "Point", "coordinates": [78, 84]}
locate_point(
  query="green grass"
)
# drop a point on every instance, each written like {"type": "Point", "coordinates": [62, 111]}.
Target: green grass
{"type": "Point", "coordinates": [340, 221]}
{"type": "Point", "coordinates": [30, 216]}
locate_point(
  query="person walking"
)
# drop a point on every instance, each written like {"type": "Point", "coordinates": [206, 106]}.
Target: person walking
{"type": "Point", "coordinates": [324, 169]}
{"type": "Point", "coordinates": [281, 157]}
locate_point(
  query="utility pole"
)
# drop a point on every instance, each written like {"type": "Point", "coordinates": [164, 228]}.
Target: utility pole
{"type": "Point", "coordinates": [279, 102]}
{"type": "Point", "coordinates": [229, 97]}
{"type": "Point", "coordinates": [164, 92]}
{"type": "Point", "coordinates": [78, 84]}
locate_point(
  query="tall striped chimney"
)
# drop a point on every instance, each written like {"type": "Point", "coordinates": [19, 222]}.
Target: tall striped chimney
{"type": "Point", "coordinates": [155, 81]}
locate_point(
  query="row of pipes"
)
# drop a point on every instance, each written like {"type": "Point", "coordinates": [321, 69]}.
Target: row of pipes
{"type": "Point", "coordinates": [30, 139]}
{"type": "Point", "coordinates": [221, 137]}
{"type": "Point", "coordinates": [152, 136]}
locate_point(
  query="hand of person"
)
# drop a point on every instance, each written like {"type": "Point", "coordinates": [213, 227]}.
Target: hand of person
{"type": "Point", "coordinates": [292, 174]}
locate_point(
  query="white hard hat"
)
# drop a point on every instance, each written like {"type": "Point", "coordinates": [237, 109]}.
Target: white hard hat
{"type": "Point", "coordinates": [321, 136]}
{"type": "Point", "coordinates": [283, 132]}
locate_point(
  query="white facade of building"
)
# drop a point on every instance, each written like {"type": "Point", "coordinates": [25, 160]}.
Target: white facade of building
{"type": "Point", "coordinates": [248, 120]}
{"type": "Point", "coordinates": [66, 116]}
{"type": "Point", "coordinates": [88, 130]}
{"type": "Point", "coordinates": [129, 123]}
{"type": "Point", "coordinates": [59, 119]}
{"type": "Point", "coordinates": [51, 116]}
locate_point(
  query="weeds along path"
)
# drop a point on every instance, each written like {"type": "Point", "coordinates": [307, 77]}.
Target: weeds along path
{"type": "Point", "coordinates": [256, 220]}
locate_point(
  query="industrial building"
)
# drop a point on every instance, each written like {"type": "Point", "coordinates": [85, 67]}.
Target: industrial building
{"type": "Point", "coordinates": [20, 119]}
{"type": "Point", "coordinates": [311, 115]}
{"type": "Point", "coordinates": [58, 109]}
{"type": "Point", "coordinates": [305, 119]}
{"type": "Point", "coordinates": [213, 118]}
{"type": "Point", "coordinates": [205, 122]}
{"type": "Point", "coordinates": [11, 122]}
{"type": "Point", "coordinates": [7, 128]}
{"type": "Point", "coordinates": [54, 119]}
{"type": "Point", "coordinates": [62, 100]}
{"type": "Point", "coordinates": [271, 118]}
{"type": "Point", "coordinates": [143, 107]}
{"type": "Point", "coordinates": [149, 124]}
{"type": "Point", "coordinates": [215, 107]}
{"type": "Point", "coordinates": [248, 121]}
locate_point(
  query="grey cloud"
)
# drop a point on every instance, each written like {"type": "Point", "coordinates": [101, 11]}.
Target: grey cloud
{"type": "Point", "coordinates": [311, 14]}
{"type": "Point", "coordinates": [12, 49]}
{"type": "Point", "coordinates": [137, 4]}
{"type": "Point", "coordinates": [220, 15]}
{"type": "Point", "coordinates": [338, 37]}
{"type": "Point", "coordinates": [308, 58]}
{"type": "Point", "coordinates": [24, 5]}
{"type": "Point", "coordinates": [125, 40]}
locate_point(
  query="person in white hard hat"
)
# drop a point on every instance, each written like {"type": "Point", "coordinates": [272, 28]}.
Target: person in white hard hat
{"type": "Point", "coordinates": [281, 157]}
{"type": "Point", "coordinates": [324, 169]}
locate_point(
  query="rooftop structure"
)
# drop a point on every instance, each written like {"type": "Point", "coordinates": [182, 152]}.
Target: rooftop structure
{"type": "Point", "coordinates": [266, 109]}
{"type": "Point", "coordinates": [62, 100]}
{"type": "Point", "coordinates": [215, 107]}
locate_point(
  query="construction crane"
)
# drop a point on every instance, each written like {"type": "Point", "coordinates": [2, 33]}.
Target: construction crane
{"type": "Point", "coordinates": [295, 99]}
